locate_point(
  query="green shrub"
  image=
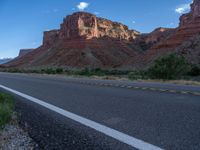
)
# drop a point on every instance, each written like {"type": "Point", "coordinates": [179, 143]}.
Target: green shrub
{"type": "Point", "coordinates": [6, 109]}
{"type": "Point", "coordinates": [48, 71]}
{"type": "Point", "coordinates": [59, 70]}
{"type": "Point", "coordinates": [14, 70]}
{"type": "Point", "coordinates": [169, 67]}
{"type": "Point", "coordinates": [134, 75]}
{"type": "Point", "coordinates": [195, 71]}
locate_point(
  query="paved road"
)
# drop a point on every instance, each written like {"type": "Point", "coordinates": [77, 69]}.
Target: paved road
{"type": "Point", "coordinates": [164, 115]}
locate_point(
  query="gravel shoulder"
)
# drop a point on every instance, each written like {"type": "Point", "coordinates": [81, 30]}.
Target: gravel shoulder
{"type": "Point", "coordinates": [12, 137]}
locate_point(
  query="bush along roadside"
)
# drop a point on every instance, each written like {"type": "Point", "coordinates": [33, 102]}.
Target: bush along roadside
{"type": "Point", "coordinates": [168, 67]}
{"type": "Point", "coordinates": [6, 109]}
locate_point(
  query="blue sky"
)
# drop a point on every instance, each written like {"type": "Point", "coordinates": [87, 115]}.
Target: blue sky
{"type": "Point", "coordinates": [22, 22]}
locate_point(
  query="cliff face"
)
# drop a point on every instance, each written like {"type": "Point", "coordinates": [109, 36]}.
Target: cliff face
{"type": "Point", "coordinates": [190, 49]}
{"type": "Point", "coordinates": [79, 25]}
{"type": "Point", "coordinates": [88, 26]}
{"type": "Point", "coordinates": [146, 41]}
{"type": "Point", "coordinates": [23, 52]}
{"type": "Point", "coordinates": [4, 60]}
{"type": "Point", "coordinates": [50, 37]}
{"type": "Point", "coordinates": [83, 25]}
{"type": "Point", "coordinates": [189, 27]}
{"type": "Point", "coordinates": [83, 40]}
{"type": "Point", "coordinates": [193, 16]}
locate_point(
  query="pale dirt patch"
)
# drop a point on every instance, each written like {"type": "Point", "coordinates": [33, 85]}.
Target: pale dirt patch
{"type": "Point", "coordinates": [12, 137]}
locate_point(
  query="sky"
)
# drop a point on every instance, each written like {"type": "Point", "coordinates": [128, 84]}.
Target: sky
{"type": "Point", "coordinates": [22, 22]}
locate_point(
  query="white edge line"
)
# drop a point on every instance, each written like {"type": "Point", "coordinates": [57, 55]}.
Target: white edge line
{"type": "Point", "coordinates": [124, 138]}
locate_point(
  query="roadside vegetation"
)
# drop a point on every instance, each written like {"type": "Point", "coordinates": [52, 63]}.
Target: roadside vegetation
{"type": "Point", "coordinates": [169, 67]}
{"type": "Point", "coordinates": [6, 109]}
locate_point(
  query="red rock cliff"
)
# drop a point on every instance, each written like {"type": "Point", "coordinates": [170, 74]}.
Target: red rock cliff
{"type": "Point", "coordinates": [87, 26]}
{"type": "Point", "coordinates": [83, 40]}
{"type": "Point", "coordinates": [189, 27]}
{"type": "Point", "coordinates": [50, 37]}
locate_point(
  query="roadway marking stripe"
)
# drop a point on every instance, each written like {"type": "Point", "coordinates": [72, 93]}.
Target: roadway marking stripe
{"type": "Point", "coordinates": [196, 93]}
{"type": "Point", "coordinates": [153, 89]}
{"type": "Point", "coordinates": [129, 87]}
{"type": "Point", "coordinates": [163, 90]}
{"type": "Point", "coordinates": [142, 88]}
{"type": "Point", "coordinates": [184, 92]}
{"type": "Point", "coordinates": [172, 91]}
{"type": "Point", "coordinates": [122, 137]}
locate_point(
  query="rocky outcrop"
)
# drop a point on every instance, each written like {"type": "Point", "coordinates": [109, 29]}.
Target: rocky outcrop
{"type": "Point", "coordinates": [88, 26]}
{"type": "Point", "coordinates": [23, 52]}
{"type": "Point", "coordinates": [50, 37]}
{"type": "Point", "coordinates": [83, 40]}
{"type": "Point", "coordinates": [82, 25]}
{"type": "Point", "coordinates": [193, 16]}
{"type": "Point", "coordinates": [146, 41]}
{"type": "Point", "coordinates": [79, 25]}
{"type": "Point", "coordinates": [158, 35]}
{"type": "Point", "coordinates": [189, 27]}
{"type": "Point", "coordinates": [190, 49]}
{"type": "Point", "coordinates": [5, 60]}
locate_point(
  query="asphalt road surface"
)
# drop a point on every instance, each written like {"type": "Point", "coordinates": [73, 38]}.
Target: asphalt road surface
{"type": "Point", "coordinates": [78, 113]}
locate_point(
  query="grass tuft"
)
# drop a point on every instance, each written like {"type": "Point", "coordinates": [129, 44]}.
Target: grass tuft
{"type": "Point", "coordinates": [6, 108]}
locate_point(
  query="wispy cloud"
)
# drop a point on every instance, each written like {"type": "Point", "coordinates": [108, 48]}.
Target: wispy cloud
{"type": "Point", "coordinates": [171, 24]}
{"type": "Point", "coordinates": [33, 43]}
{"type": "Point", "coordinates": [183, 8]}
{"type": "Point", "coordinates": [55, 10]}
{"type": "Point", "coordinates": [96, 13]}
{"type": "Point", "coordinates": [82, 6]}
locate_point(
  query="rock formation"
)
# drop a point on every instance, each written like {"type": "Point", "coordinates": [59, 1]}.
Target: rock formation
{"type": "Point", "coordinates": [147, 41]}
{"type": "Point", "coordinates": [50, 37]}
{"type": "Point", "coordinates": [188, 28]}
{"type": "Point", "coordinates": [5, 60]}
{"type": "Point", "coordinates": [85, 40]}
{"type": "Point", "coordinates": [23, 52]}
{"type": "Point", "coordinates": [88, 26]}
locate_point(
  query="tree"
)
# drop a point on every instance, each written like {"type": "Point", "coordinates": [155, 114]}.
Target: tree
{"type": "Point", "coordinates": [169, 67]}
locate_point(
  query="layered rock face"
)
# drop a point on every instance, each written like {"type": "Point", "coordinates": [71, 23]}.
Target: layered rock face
{"type": "Point", "coordinates": [23, 52]}
{"type": "Point", "coordinates": [189, 27]}
{"type": "Point", "coordinates": [190, 49]}
{"type": "Point", "coordinates": [146, 41]}
{"type": "Point", "coordinates": [88, 26]}
{"type": "Point", "coordinates": [50, 37]}
{"type": "Point", "coordinates": [83, 40]}
{"type": "Point", "coordinates": [79, 25]}
{"type": "Point", "coordinates": [193, 16]}
{"type": "Point", "coordinates": [4, 60]}
{"type": "Point", "coordinates": [83, 25]}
